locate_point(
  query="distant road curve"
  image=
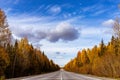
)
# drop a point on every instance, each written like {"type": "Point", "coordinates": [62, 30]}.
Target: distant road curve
{"type": "Point", "coordinates": [61, 75]}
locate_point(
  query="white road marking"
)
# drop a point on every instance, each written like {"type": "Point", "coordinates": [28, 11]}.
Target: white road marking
{"type": "Point", "coordinates": [61, 75]}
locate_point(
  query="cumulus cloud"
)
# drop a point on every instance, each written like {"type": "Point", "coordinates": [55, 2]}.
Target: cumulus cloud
{"type": "Point", "coordinates": [34, 32]}
{"type": "Point", "coordinates": [64, 31]}
{"type": "Point", "coordinates": [109, 22]}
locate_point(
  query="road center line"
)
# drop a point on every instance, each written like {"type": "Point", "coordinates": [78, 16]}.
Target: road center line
{"type": "Point", "coordinates": [61, 75]}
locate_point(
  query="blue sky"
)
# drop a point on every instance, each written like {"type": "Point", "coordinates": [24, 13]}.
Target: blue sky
{"type": "Point", "coordinates": [61, 28]}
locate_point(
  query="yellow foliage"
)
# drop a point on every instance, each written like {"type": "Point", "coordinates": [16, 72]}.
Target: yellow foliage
{"type": "Point", "coordinates": [102, 61]}
{"type": "Point", "coordinates": [4, 60]}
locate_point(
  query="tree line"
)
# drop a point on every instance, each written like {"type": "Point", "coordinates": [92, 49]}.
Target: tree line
{"type": "Point", "coordinates": [101, 60]}
{"type": "Point", "coordinates": [20, 58]}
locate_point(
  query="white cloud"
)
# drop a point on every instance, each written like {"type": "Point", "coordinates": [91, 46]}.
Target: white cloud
{"type": "Point", "coordinates": [95, 9]}
{"type": "Point", "coordinates": [92, 8]}
{"type": "Point", "coordinates": [39, 28]}
{"type": "Point", "coordinates": [109, 22]}
{"type": "Point", "coordinates": [99, 12]}
{"type": "Point", "coordinates": [55, 9]}
{"type": "Point", "coordinates": [69, 15]}
{"type": "Point", "coordinates": [64, 31]}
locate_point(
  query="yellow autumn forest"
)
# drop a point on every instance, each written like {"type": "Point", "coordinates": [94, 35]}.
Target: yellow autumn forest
{"type": "Point", "coordinates": [20, 58]}
{"type": "Point", "coordinates": [101, 60]}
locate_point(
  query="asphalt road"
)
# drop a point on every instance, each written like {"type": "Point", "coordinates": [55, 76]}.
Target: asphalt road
{"type": "Point", "coordinates": [61, 75]}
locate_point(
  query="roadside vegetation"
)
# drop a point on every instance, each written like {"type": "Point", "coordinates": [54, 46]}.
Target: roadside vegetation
{"type": "Point", "coordinates": [20, 58]}
{"type": "Point", "coordinates": [101, 60]}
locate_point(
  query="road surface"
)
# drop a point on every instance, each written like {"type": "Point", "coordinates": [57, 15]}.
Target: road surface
{"type": "Point", "coordinates": [61, 75]}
